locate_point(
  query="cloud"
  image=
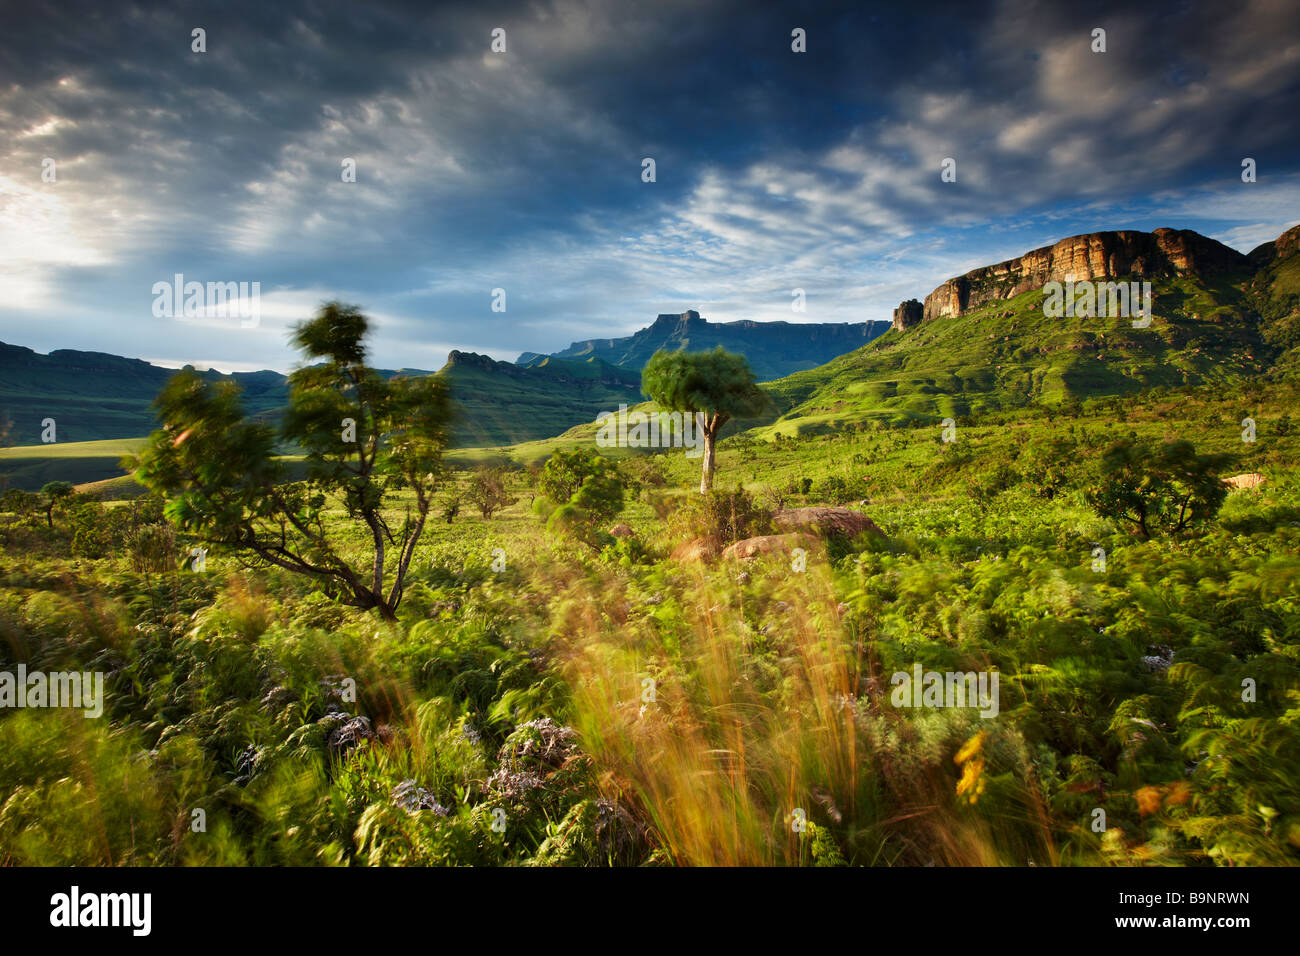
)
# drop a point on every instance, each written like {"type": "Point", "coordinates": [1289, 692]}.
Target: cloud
{"type": "Point", "coordinates": [521, 170]}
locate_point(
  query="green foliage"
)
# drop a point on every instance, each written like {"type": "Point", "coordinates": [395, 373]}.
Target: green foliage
{"type": "Point", "coordinates": [718, 385]}
{"type": "Point", "coordinates": [365, 438]}
{"type": "Point", "coordinates": [1161, 489]}
{"type": "Point", "coordinates": [587, 490]}
{"type": "Point", "coordinates": [727, 516]}
{"type": "Point", "coordinates": [488, 491]}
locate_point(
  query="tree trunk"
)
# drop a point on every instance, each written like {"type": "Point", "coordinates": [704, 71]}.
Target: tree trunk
{"type": "Point", "coordinates": [710, 455]}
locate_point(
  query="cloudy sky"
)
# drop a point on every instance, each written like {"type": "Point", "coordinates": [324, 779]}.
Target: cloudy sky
{"type": "Point", "coordinates": [522, 170]}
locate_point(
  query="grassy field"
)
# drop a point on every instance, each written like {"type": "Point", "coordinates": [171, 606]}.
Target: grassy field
{"type": "Point", "coordinates": [542, 701]}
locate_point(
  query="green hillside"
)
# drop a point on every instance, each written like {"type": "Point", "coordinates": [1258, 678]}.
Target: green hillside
{"type": "Point", "coordinates": [502, 403]}
{"type": "Point", "coordinates": [93, 396]}
{"type": "Point", "coordinates": [1008, 354]}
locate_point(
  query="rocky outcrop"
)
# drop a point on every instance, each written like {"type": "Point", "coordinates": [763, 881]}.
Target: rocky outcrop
{"type": "Point", "coordinates": [1285, 245]}
{"type": "Point", "coordinates": [1252, 480]}
{"type": "Point", "coordinates": [697, 549]}
{"type": "Point", "coordinates": [764, 544]}
{"type": "Point", "coordinates": [1092, 256]}
{"type": "Point", "coordinates": [907, 314]}
{"type": "Point", "coordinates": [825, 522]}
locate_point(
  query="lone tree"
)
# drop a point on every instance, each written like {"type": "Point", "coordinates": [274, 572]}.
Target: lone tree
{"type": "Point", "coordinates": [55, 492]}
{"type": "Point", "coordinates": [488, 492]}
{"type": "Point", "coordinates": [718, 384]}
{"type": "Point", "coordinates": [1160, 489]}
{"type": "Point", "coordinates": [364, 439]}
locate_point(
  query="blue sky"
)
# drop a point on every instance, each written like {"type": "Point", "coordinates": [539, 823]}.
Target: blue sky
{"type": "Point", "coordinates": [521, 170]}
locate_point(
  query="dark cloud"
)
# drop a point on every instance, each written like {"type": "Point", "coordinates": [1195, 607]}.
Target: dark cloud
{"type": "Point", "coordinates": [477, 171]}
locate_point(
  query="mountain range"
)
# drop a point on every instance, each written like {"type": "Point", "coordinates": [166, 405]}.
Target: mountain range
{"type": "Point", "coordinates": [774, 349]}
{"type": "Point", "coordinates": [979, 342]}
{"type": "Point", "coordinates": [94, 396]}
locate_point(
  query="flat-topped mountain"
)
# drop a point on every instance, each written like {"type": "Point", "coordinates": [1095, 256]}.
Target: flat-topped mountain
{"type": "Point", "coordinates": [1095, 255]}
{"type": "Point", "coordinates": [773, 349]}
{"type": "Point", "coordinates": [983, 342]}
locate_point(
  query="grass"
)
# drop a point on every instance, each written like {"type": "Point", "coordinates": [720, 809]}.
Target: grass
{"type": "Point", "coordinates": [769, 736]}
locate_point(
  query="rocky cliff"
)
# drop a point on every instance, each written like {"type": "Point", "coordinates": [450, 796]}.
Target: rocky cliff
{"type": "Point", "coordinates": [1096, 255]}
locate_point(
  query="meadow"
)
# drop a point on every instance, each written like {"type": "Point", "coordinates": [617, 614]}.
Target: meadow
{"type": "Point", "coordinates": [543, 699]}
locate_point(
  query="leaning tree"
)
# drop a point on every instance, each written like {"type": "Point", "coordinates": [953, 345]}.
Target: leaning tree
{"type": "Point", "coordinates": [364, 439]}
{"type": "Point", "coordinates": [718, 384]}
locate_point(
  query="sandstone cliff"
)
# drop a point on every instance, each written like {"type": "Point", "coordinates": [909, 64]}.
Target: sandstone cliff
{"type": "Point", "coordinates": [1145, 255]}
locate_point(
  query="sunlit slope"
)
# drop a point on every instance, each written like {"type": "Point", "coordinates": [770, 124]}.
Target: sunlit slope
{"type": "Point", "coordinates": [1008, 354]}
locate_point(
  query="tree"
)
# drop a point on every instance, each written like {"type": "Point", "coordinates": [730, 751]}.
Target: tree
{"type": "Point", "coordinates": [1160, 489]}
{"type": "Point", "coordinates": [487, 490]}
{"type": "Point", "coordinates": [22, 503]}
{"type": "Point", "coordinates": [55, 493]}
{"type": "Point", "coordinates": [718, 384]}
{"type": "Point", "coordinates": [565, 471]}
{"type": "Point", "coordinates": [364, 439]}
{"type": "Point", "coordinates": [586, 487]}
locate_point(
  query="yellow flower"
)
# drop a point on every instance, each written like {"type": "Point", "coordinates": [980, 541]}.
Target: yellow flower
{"type": "Point", "coordinates": [970, 747]}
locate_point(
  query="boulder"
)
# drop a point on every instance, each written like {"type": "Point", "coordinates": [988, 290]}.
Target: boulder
{"type": "Point", "coordinates": [1252, 480]}
{"type": "Point", "coordinates": [826, 522]}
{"type": "Point", "coordinates": [764, 544]}
{"type": "Point", "coordinates": [697, 549]}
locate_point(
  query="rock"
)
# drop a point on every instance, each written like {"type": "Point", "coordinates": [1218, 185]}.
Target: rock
{"type": "Point", "coordinates": [826, 522]}
{"type": "Point", "coordinates": [1092, 256]}
{"type": "Point", "coordinates": [621, 531]}
{"type": "Point", "coordinates": [763, 544]}
{"type": "Point", "coordinates": [697, 549]}
{"type": "Point", "coordinates": [1252, 480]}
{"type": "Point", "coordinates": [907, 314]}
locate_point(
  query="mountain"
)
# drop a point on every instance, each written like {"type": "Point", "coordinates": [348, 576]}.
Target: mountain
{"type": "Point", "coordinates": [774, 349]}
{"type": "Point", "coordinates": [503, 403]}
{"type": "Point", "coordinates": [984, 341]}
{"type": "Point", "coordinates": [1083, 258]}
{"type": "Point", "coordinates": [93, 396]}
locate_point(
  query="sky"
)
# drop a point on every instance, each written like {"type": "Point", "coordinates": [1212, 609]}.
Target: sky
{"type": "Point", "coordinates": [523, 169]}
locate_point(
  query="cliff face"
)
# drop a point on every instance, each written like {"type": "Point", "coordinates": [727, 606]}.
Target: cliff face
{"type": "Point", "coordinates": [1092, 256]}
{"type": "Point", "coordinates": [907, 315]}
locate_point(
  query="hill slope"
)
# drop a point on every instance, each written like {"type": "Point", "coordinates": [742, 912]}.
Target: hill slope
{"type": "Point", "coordinates": [502, 403]}
{"type": "Point", "coordinates": [772, 348]}
{"type": "Point", "coordinates": [982, 342]}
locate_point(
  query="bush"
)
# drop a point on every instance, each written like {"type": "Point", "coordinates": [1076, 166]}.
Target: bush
{"type": "Point", "coordinates": [728, 516]}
